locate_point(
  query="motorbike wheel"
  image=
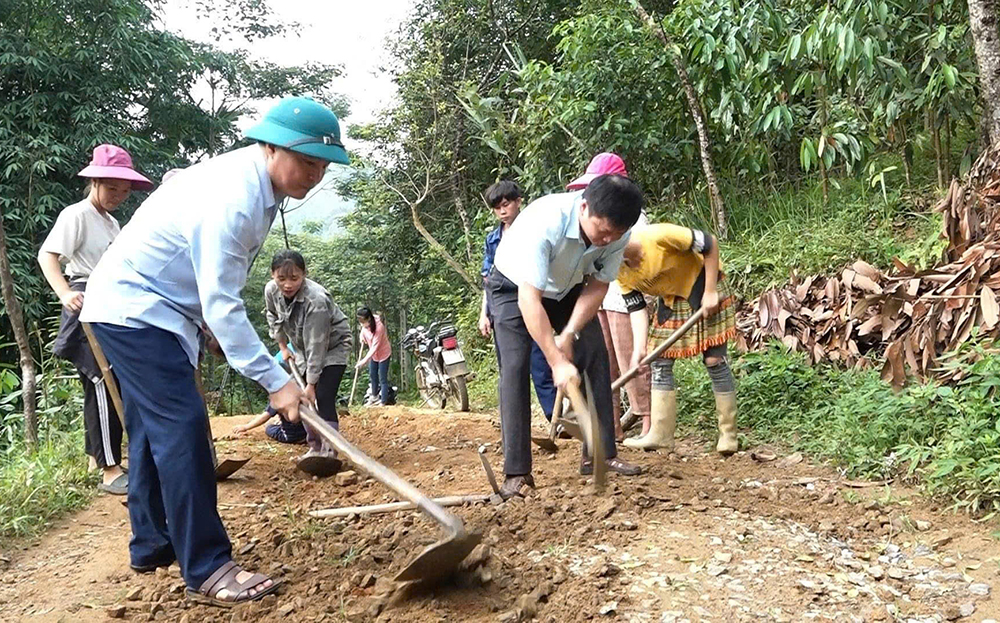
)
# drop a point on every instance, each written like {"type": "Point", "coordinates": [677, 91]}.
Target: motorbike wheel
{"type": "Point", "coordinates": [434, 397]}
{"type": "Point", "coordinates": [461, 392]}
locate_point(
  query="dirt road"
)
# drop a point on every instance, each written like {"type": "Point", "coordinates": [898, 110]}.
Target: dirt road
{"type": "Point", "coordinates": [696, 538]}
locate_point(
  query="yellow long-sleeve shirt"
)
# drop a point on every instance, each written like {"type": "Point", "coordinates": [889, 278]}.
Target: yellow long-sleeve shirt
{"type": "Point", "coordinates": [672, 259]}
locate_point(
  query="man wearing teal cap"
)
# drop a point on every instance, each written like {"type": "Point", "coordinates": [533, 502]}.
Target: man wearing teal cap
{"type": "Point", "coordinates": [177, 268]}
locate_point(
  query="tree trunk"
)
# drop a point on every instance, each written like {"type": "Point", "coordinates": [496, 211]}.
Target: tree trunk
{"type": "Point", "coordinates": [460, 204]}
{"type": "Point", "coordinates": [443, 252]}
{"type": "Point", "coordinates": [13, 308]}
{"type": "Point", "coordinates": [936, 142]}
{"type": "Point", "coordinates": [704, 139]}
{"type": "Point", "coordinates": [983, 20]}
{"type": "Point", "coordinates": [823, 174]}
{"type": "Point", "coordinates": [456, 186]}
{"type": "Point", "coordinates": [905, 152]}
{"type": "Point", "coordinates": [947, 149]}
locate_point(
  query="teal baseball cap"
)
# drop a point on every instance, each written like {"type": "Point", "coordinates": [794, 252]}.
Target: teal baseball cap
{"type": "Point", "coordinates": [304, 125]}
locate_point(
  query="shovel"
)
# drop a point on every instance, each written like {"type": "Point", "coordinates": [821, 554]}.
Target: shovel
{"type": "Point", "coordinates": [549, 443]}
{"type": "Point", "coordinates": [439, 559]}
{"type": "Point", "coordinates": [228, 467]}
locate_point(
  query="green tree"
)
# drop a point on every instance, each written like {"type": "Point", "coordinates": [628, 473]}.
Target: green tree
{"type": "Point", "coordinates": [77, 73]}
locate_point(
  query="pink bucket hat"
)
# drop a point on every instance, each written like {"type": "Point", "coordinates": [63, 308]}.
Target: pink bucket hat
{"type": "Point", "coordinates": [602, 164]}
{"type": "Point", "coordinates": [111, 161]}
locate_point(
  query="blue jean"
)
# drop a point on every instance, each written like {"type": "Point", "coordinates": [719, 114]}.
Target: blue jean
{"type": "Point", "coordinates": [379, 373]}
{"type": "Point", "coordinates": [541, 377]}
{"type": "Point", "coordinates": [171, 490]}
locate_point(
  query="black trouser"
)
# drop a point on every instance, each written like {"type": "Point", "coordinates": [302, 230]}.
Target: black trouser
{"type": "Point", "coordinates": [514, 355]}
{"type": "Point", "coordinates": [102, 428]}
{"type": "Point", "coordinates": [327, 389]}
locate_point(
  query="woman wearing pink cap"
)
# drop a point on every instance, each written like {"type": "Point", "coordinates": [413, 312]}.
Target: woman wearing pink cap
{"type": "Point", "coordinates": [81, 235]}
{"type": "Point", "coordinates": [614, 315]}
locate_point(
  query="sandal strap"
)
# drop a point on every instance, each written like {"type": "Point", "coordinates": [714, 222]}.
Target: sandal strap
{"type": "Point", "coordinates": [207, 588]}
{"type": "Point", "coordinates": [253, 582]}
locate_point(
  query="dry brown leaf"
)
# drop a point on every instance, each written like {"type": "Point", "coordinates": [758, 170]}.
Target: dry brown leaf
{"type": "Point", "coordinates": [864, 268]}
{"type": "Point", "coordinates": [869, 325]}
{"type": "Point", "coordinates": [791, 342]}
{"type": "Point", "coordinates": [847, 277]}
{"type": "Point", "coordinates": [867, 284]}
{"type": "Point", "coordinates": [783, 316]}
{"type": "Point", "coordinates": [990, 309]}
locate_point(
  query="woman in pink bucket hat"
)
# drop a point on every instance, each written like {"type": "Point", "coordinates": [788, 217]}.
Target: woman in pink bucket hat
{"type": "Point", "coordinates": [614, 316]}
{"type": "Point", "coordinates": [602, 164]}
{"type": "Point", "coordinates": [79, 238]}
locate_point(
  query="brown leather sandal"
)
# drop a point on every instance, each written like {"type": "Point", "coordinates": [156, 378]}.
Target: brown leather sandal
{"type": "Point", "coordinates": [224, 578]}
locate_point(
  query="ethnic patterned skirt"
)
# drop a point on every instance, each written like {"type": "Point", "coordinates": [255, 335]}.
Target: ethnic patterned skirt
{"type": "Point", "coordinates": [707, 333]}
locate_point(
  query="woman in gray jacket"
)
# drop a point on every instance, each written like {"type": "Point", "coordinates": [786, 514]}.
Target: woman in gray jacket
{"type": "Point", "coordinates": [301, 313]}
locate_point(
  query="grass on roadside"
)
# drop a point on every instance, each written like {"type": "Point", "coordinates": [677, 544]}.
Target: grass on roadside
{"type": "Point", "coordinates": [38, 487]}
{"type": "Point", "coordinates": [944, 438]}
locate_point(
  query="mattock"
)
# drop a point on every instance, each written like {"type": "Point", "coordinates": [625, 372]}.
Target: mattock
{"type": "Point", "coordinates": [589, 428]}
{"type": "Point", "coordinates": [437, 560]}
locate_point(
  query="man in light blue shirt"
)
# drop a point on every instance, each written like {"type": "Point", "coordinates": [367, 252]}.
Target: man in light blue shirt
{"type": "Point", "coordinates": [177, 268]}
{"type": "Point", "coordinates": [551, 273]}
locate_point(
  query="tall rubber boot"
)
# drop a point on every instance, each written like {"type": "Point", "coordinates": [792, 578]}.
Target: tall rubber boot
{"type": "Point", "coordinates": [663, 416]}
{"type": "Point", "coordinates": [725, 406]}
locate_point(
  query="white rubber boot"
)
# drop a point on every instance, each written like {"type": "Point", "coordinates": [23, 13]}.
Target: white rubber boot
{"type": "Point", "coordinates": [663, 422]}
{"type": "Point", "coordinates": [725, 406]}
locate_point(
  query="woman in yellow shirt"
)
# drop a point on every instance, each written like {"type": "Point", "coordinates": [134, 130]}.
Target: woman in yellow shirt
{"type": "Point", "coordinates": [679, 266]}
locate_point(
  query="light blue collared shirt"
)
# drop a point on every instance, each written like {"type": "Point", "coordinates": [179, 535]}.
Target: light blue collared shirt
{"type": "Point", "coordinates": [544, 247]}
{"type": "Point", "coordinates": [183, 259]}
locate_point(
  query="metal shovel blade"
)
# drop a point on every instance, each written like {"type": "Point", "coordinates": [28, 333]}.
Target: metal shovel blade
{"type": "Point", "coordinates": [320, 466]}
{"type": "Point", "coordinates": [229, 467]}
{"type": "Point", "coordinates": [573, 429]}
{"type": "Point", "coordinates": [544, 443]}
{"type": "Point", "coordinates": [587, 419]}
{"type": "Point", "coordinates": [438, 560]}
{"type": "Point", "coordinates": [441, 559]}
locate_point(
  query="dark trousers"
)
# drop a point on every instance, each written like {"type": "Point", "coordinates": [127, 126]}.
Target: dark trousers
{"type": "Point", "coordinates": [514, 354]}
{"type": "Point", "coordinates": [102, 437]}
{"type": "Point", "coordinates": [171, 495]}
{"type": "Point", "coordinates": [379, 373]}
{"type": "Point", "coordinates": [541, 378]}
{"type": "Point", "coordinates": [327, 389]}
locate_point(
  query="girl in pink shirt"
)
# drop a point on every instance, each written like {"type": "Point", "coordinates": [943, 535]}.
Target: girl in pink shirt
{"type": "Point", "coordinates": [373, 334]}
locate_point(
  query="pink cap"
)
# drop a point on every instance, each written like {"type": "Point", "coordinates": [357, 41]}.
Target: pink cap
{"type": "Point", "coordinates": [602, 164]}
{"type": "Point", "coordinates": [111, 161]}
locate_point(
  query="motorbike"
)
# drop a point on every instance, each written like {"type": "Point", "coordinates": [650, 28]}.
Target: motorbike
{"type": "Point", "coordinates": [441, 370]}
